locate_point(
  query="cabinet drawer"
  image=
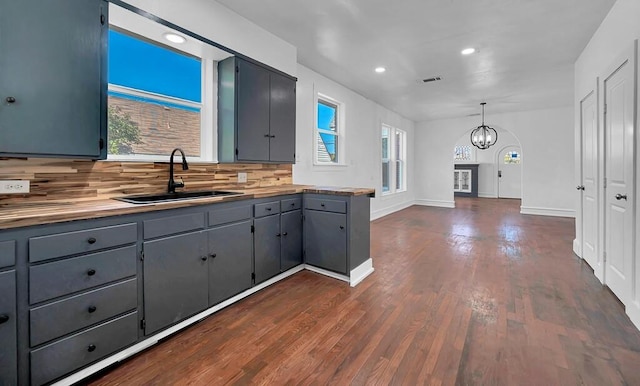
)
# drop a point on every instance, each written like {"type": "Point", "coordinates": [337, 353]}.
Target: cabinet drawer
{"type": "Point", "coordinates": [7, 253]}
{"type": "Point", "coordinates": [69, 354]}
{"type": "Point", "coordinates": [64, 277]}
{"type": "Point", "coordinates": [172, 225]}
{"type": "Point", "coordinates": [325, 205]}
{"type": "Point", "coordinates": [56, 319]}
{"type": "Point", "coordinates": [225, 216]}
{"type": "Point", "coordinates": [291, 204]}
{"type": "Point", "coordinates": [71, 243]}
{"type": "Point", "coordinates": [261, 210]}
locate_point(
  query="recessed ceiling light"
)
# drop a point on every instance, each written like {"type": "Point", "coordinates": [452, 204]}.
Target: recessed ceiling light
{"type": "Point", "coordinates": [173, 38]}
{"type": "Point", "coordinates": [380, 70]}
{"type": "Point", "coordinates": [468, 51]}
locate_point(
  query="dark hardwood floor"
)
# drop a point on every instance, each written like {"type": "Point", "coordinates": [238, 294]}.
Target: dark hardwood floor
{"type": "Point", "coordinates": [477, 295]}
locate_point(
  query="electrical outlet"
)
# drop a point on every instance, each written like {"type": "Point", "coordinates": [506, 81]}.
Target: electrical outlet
{"type": "Point", "coordinates": [242, 177]}
{"type": "Point", "coordinates": [14, 186]}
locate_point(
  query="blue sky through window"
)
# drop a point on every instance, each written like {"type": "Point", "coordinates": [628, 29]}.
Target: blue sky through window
{"type": "Point", "coordinates": [141, 65]}
{"type": "Point", "coordinates": [327, 114]}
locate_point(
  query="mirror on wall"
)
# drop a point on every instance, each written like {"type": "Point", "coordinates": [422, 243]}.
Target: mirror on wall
{"type": "Point", "coordinates": [162, 90]}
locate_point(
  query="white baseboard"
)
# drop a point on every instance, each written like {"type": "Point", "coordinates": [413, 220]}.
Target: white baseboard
{"type": "Point", "coordinates": [388, 210]}
{"type": "Point", "coordinates": [555, 212]}
{"type": "Point", "coordinates": [576, 248]}
{"type": "Point", "coordinates": [487, 195]}
{"type": "Point", "coordinates": [327, 273]}
{"type": "Point", "coordinates": [360, 272]}
{"type": "Point", "coordinates": [437, 203]}
{"type": "Point", "coordinates": [633, 311]}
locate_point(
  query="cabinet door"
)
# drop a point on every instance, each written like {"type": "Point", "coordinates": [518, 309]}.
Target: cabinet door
{"type": "Point", "coordinates": [291, 227]}
{"type": "Point", "coordinates": [252, 112]}
{"type": "Point", "coordinates": [175, 279]}
{"type": "Point", "coordinates": [8, 347]}
{"type": "Point", "coordinates": [267, 247]}
{"type": "Point", "coordinates": [53, 64]}
{"type": "Point", "coordinates": [325, 240]}
{"type": "Point", "coordinates": [282, 120]}
{"type": "Point", "coordinates": [230, 249]}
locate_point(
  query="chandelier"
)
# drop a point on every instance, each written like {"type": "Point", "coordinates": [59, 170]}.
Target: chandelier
{"type": "Point", "coordinates": [483, 136]}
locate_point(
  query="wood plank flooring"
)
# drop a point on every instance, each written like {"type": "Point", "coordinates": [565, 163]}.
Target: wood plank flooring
{"type": "Point", "coordinates": [477, 295]}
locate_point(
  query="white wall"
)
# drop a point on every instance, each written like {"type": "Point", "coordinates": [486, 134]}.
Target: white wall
{"type": "Point", "coordinates": [486, 160]}
{"type": "Point", "coordinates": [615, 35]}
{"type": "Point", "coordinates": [218, 23]}
{"type": "Point", "coordinates": [547, 143]}
{"type": "Point", "coordinates": [363, 142]}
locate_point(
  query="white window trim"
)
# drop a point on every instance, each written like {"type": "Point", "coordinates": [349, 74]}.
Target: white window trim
{"type": "Point", "coordinates": [393, 160]}
{"type": "Point", "coordinates": [339, 132]}
{"type": "Point", "coordinates": [208, 104]}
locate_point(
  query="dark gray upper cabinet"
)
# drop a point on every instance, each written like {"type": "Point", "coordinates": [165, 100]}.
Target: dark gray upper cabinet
{"type": "Point", "coordinates": [230, 257]}
{"type": "Point", "coordinates": [53, 78]}
{"type": "Point", "coordinates": [256, 113]}
{"type": "Point", "coordinates": [8, 347]}
{"type": "Point", "coordinates": [175, 279]}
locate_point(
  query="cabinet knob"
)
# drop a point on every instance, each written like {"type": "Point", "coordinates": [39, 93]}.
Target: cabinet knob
{"type": "Point", "coordinates": [341, 226]}
{"type": "Point", "coordinates": [11, 99]}
{"type": "Point", "coordinates": [293, 204]}
{"type": "Point", "coordinates": [4, 318]}
{"type": "Point", "coordinates": [91, 348]}
{"type": "Point", "coordinates": [204, 258]}
{"type": "Point", "coordinates": [213, 255]}
{"type": "Point", "coordinates": [285, 233]}
{"type": "Point", "coordinates": [269, 209]}
{"type": "Point", "coordinates": [91, 272]}
{"type": "Point", "coordinates": [92, 309]}
{"type": "Point", "coordinates": [91, 240]}
{"type": "Point", "coordinates": [267, 135]}
{"type": "Point", "coordinates": [322, 204]}
{"type": "Point", "coordinates": [621, 197]}
{"type": "Point", "coordinates": [278, 235]}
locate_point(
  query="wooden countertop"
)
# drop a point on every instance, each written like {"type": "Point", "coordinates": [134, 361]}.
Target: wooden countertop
{"type": "Point", "coordinates": [28, 214]}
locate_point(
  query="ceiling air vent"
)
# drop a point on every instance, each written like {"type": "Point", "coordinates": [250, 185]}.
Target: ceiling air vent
{"type": "Point", "coordinates": [434, 79]}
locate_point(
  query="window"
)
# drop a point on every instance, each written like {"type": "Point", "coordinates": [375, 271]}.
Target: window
{"type": "Point", "coordinates": [393, 160]}
{"type": "Point", "coordinates": [512, 157]}
{"type": "Point", "coordinates": [161, 94]}
{"type": "Point", "coordinates": [154, 98]}
{"type": "Point", "coordinates": [462, 153]}
{"type": "Point", "coordinates": [327, 139]}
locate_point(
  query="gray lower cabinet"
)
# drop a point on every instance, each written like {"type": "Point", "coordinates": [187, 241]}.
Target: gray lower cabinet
{"type": "Point", "coordinates": [230, 255]}
{"type": "Point", "coordinates": [326, 240]}
{"type": "Point", "coordinates": [291, 243]}
{"type": "Point", "coordinates": [175, 279]}
{"type": "Point", "coordinates": [267, 247]}
{"type": "Point", "coordinates": [8, 335]}
{"type": "Point", "coordinates": [53, 82]}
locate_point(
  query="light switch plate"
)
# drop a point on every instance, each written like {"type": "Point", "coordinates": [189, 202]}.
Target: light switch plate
{"type": "Point", "coordinates": [242, 177]}
{"type": "Point", "coordinates": [14, 186]}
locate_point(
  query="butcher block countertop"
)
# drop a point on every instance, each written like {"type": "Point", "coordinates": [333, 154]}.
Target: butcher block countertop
{"type": "Point", "coordinates": [20, 215]}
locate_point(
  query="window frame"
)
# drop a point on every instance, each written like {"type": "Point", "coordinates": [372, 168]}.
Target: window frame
{"type": "Point", "coordinates": [397, 156]}
{"type": "Point", "coordinates": [338, 133]}
{"type": "Point", "coordinates": [208, 104]}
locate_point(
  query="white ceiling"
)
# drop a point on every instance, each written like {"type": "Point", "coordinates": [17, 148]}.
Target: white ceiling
{"type": "Point", "coordinates": [526, 49]}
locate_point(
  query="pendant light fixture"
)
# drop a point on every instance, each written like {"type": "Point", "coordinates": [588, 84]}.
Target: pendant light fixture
{"type": "Point", "coordinates": [483, 136]}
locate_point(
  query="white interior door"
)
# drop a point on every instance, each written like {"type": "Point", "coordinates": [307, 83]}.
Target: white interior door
{"type": "Point", "coordinates": [589, 182]}
{"type": "Point", "coordinates": [510, 172]}
{"type": "Point", "coordinates": [619, 130]}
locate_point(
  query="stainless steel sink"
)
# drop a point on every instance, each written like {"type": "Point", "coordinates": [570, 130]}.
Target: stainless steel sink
{"type": "Point", "coordinates": [163, 197]}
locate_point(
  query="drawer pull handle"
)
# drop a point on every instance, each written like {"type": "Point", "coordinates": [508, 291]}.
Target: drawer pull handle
{"type": "Point", "coordinates": [4, 318]}
{"type": "Point", "coordinates": [341, 226]}
{"type": "Point", "coordinates": [91, 240]}
{"type": "Point", "coordinates": [91, 272]}
{"type": "Point", "coordinates": [204, 258]}
{"type": "Point", "coordinates": [11, 99]}
{"type": "Point", "coordinates": [285, 233]}
{"type": "Point", "coordinates": [92, 309]}
{"type": "Point", "coordinates": [293, 204]}
{"type": "Point", "coordinates": [91, 348]}
{"type": "Point", "coordinates": [213, 255]}
{"type": "Point", "coordinates": [322, 204]}
{"type": "Point", "coordinates": [269, 209]}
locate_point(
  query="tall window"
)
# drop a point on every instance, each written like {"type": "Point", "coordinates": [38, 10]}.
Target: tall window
{"type": "Point", "coordinates": [154, 98]}
{"type": "Point", "coordinates": [327, 131]}
{"type": "Point", "coordinates": [394, 151]}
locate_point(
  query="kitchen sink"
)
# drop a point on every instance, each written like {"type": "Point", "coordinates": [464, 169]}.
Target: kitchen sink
{"type": "Point", "coordinates": [163, 197]}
